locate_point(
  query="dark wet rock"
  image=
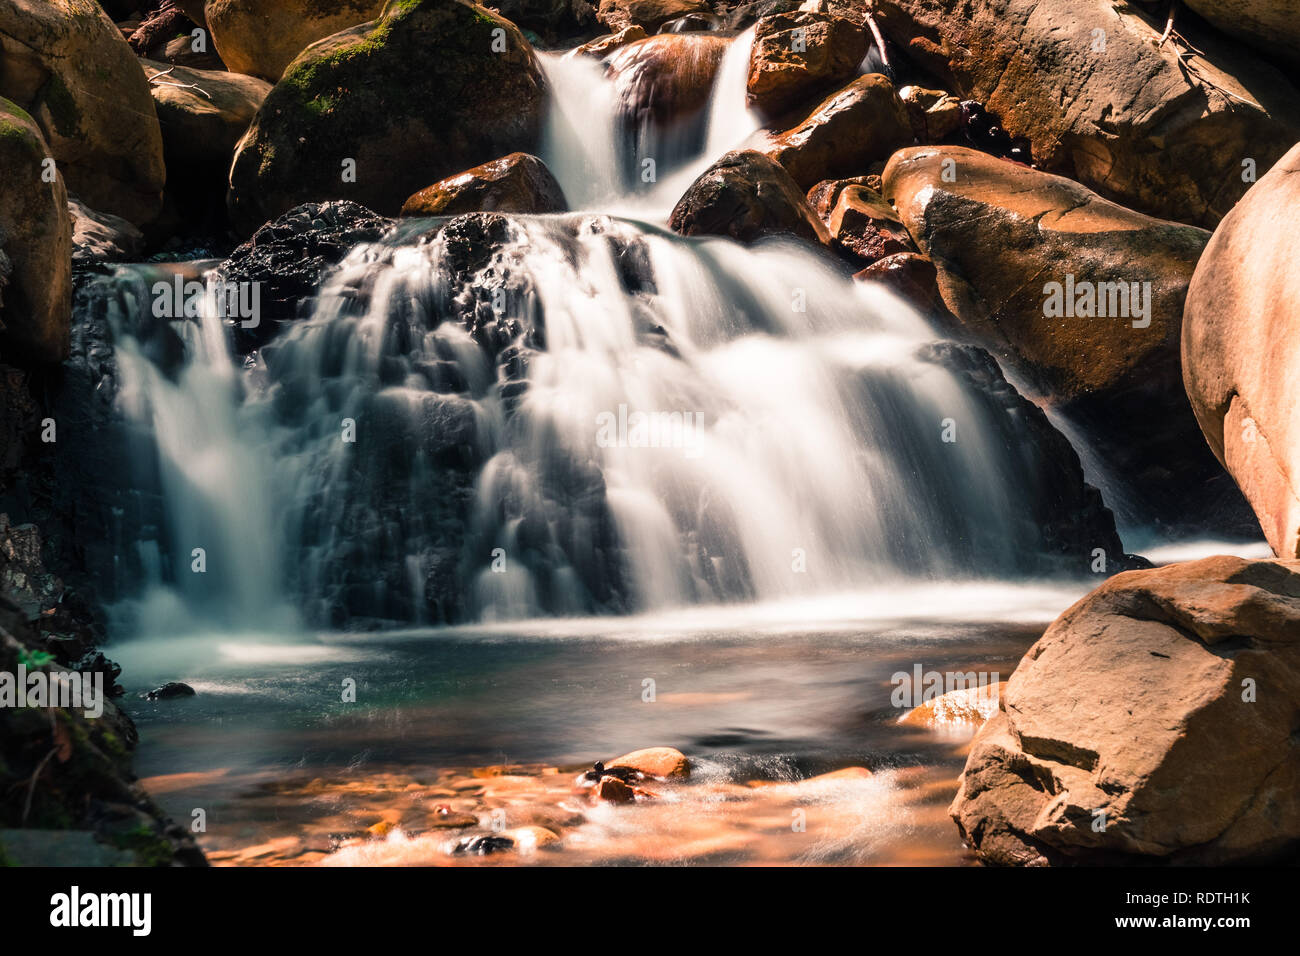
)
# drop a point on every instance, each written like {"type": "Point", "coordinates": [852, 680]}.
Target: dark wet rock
{"type": "Point", "coordinates": [483, 845]}
{"type": "Point", "coordinates": [551, 20]}
{"type": "Point", "coordinates": [518, 183]}
{"type": "Point", "coordinates": [290, 256]}
{"type": "Point", "coordinates": [745, 14]}
{"type": "Point", "coordinates": [746, 196]}
{"type": "Point", "coordinates": [614, 790]}
{"type": "Point", "coordinates": [648, 14]}
{"type": "Point", "coordinates": [910, 276]}
{"type": "Point", "coordinates": [172, 690]}
{"type": "Point", "coordinates": [865, 228]}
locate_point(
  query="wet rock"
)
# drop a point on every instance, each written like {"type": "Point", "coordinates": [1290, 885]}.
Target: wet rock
{"type": "Point", "coordinates": [909, 275]}
{"type": "Point", "coordinates": [865, 227]}
{"type": "Point", "coordinates": [532, 837]}
{"type": "Point", "coordinates": [518, 183]}
{"type": "Point", "coordinates": [665, 81]}
{"type": "Point", "coordinates": [798, 57]}
{"type": "Point", "coordinates": [262, 37]}
{"type": "Point", "coordinates": [445, 818]}
{"type": "Point", "coordinates": [933, 114]}
{"type": "Point", "coordinates": [289, 257]}
{"type": "Point", "coordinates": [1164, 702]}
{"type": "Point", "coordinates": [963, 709]}
{"type": "Point", "coordinates": [601, 47]}
{"type": "Point", "coordinates": [1011, 246]}
{"type": "Point", "coordinates": [694, 23]}
{"type": "Point", "coordinates": [664, 762]}
{"type": "Point", "coordinates": [1134, 121]}
{"type": "Point", "coordinates": [843, 135]}
{"type": "Point", "coordinates": [823, 196]}
{"type": "Point", "coordinates": [745, 195]}
{"type": "Point", "coordinates": [368, 93]}
{"type": "Point", "coordinates": [650, 15]}
{"type": "Point", "coordinates": [172, 690]}
{"type": "Point", "coordinates": [35, 243]}
{"type": "Point", "coordinates": [746, 14]}
{"type": "Point", "coordinates": [484, 845]}
{"type": "Point", "coordinates": [69, 68]}
{"type": "Point", "coordinates": [1241, 350]}
{"type": "Point", "coordinates": [100, 237]}
{"type": "Point", "coordinates": [614, 790]}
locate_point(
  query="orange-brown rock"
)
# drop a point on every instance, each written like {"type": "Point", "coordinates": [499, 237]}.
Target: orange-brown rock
{"type": "Point", "coordinates": [909, 275]}
{"type": "Point", "coordinates": [1154, 721]}
{"type": "Point", "coordinates": [655, 762]}
{"type": "Point", "coordinates": [798, 57]}
{"type": "Point", "coordinates": [1241, 349]}
{"type": "Point", "coordinates": [614, 790]}
{"type": "Point", "coordinates": [262, 37]}
{"type": "Point", "coordinates": [962, 709]}
{"type": "Point", "coordinates": [843, 135]}
{"type": "Point", "coordinates": [650, 15]}
{"type": "Point", "coordinates": [666, 79]}
{"type": "Point", "coordinates": [518, 183]}
{"type": "Point", "coordinates": [866, 227]}
{"type": "Point", "coordinates": [601, 47]}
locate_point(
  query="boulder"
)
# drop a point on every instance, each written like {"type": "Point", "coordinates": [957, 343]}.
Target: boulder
{"type": "Point", "coordinates": [798, 57]}
{"type": "Point", "coordinates": [746, 196]}
{"type": "Point", "coordinates": [35, 243]}
{"type": "Point", "coordinates": [1153, 722]}
{"type": "Point", "coordinates": [650, 15]}
{"type": "Point", "coordinates": [848, 131]}
{"type": "Point", "coordinates": [654, 762]}
{"type": "Point", "coordinates": [865, 227]}
{"type": "Point", "coordinates": [289, 257]}
{"type": "Point", "coordinates": [1082, 299]}
{"type": "Point", "coordinates": [1087, 82]}
{"type": "Point", "coordinates": [665, 80]}
{"type": "Point", "coordinates": [99, 237]}
{"type": "Point", "coordinates": [517, 183]}
{"type": "Point", "coordinates": [934, 114]}
{"type": "Point", "coordinates": [67, 65]}
{"type": "Point", "coordinates": [404, 101]}
{"type": "Point", "coordinates": [1270, 26]}
{"type": "Point", "coordinates": [549, 19]}
{"type": "Point", "coordinates": [1241, 350]}
{"type": "Point", "coordinates": [601, 47]}
{"type": "Point", "coordinates": [910, 276]}
{"type": "Point", "coordinates": [262, 37]}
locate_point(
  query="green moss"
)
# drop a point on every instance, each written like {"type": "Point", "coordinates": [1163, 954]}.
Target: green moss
{"type": "Point", "coordinates": [148, 847]}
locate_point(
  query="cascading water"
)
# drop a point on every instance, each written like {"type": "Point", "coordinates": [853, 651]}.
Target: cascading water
{"type": "Point", "coordinates": [499, 418]}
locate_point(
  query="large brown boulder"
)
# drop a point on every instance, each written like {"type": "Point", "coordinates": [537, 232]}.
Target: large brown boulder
{"type": "Point", "coordinates": [650, 15]}
{"type": "Point", "coordinates": [1241, 349]}
{"type": "Point", "coordinates": [35, 243]}
{"type": "Point", "coordinates": [405, 100]}
{"type": "Point", "coordinates": [1101, 100]}
{"type": "Point", "coordinates": [1043, 272]}
{"type": "Point", "coordinates": [517, 183]}
{"type": "Point", "coordinates": [801, 56]}
{"type": "Point", "coordinates": [746, 196]}
{"type": "Point", "coordinates": [1154, 721]}
{"type": "Point", "coordinates": [665, 80]}
{"type": "Point", "coordinates": [843, 135]}
{"type": "Point", "coordinates": [67, 65]}
{"type": "Point", "coordinates": [203, 113]}
{"type": "Point", "coordinates": [262, 37]}
{"type": "Point", "coordinates": [1272, 26]}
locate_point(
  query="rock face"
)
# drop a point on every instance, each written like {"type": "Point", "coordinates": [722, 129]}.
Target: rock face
{"type": "Point", "coordinates": [1165, 703]}
{"type": "Point", "coordinates": [1271, 26]}
{"type": "Point", "coordinates": [1241, 350]}
{"type": "Point", "coordinates": [262, 37]}
{"type": "Point", "coordinates": [66, 64]}
{"type": "Point", "coordinates": [666, 79]}
{"type": "Point", "coordinates": [1037, 268]}
{"type": "Point", "coordinates": [746, 196]}
{"type": "Point", "coordinates": [865, 227]}
{"type": "Point", "coordinates": [517, 183]}
{"type": "Point", "coordinates": [848, 131]}
{"type": "Point", "coordinates": [801, 56]}
{"type": "Point", "coordinates": [407, 99]}
{"type": "Point", "coordinates": [550, 19]}
{"type": "Point", "coordinates": [1088, 84]}
{"type": "Point", "coordinates": [99, 237]}
{"type": "Point", "coordinates": [35, 243]}
{"type": "Point", "coordinates": [289, 256]}
{"type": "Point", "coordinates": [650, 15]}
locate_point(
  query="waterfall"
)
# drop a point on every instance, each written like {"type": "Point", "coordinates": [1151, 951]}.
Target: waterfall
{"type": "Point", "coordinates": [501, 417]}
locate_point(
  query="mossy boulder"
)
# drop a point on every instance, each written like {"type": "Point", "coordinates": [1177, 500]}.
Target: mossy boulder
{"type": "Point", "coordinates": [67, 65]}
{"type": "Point", "coordinates": [35, 242]}
{"type": "Point", "coordinates": [262, 37]}
{"type": "Point", "coordinates": [429, 89]}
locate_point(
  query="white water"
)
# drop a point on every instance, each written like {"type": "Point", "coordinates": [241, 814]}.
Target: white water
{"type": "Point", "coordinates": [809, 460]}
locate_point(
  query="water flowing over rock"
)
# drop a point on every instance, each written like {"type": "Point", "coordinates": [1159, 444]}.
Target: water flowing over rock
{"type": "Point", "coordinates": [1241, 350]}
{"type": "Point", "coordinates": [1087, 82]}
{"type": "Point", "coordinates": [403, 101]}
{"type": "Point", "coordinates": [517, 183]}
{"type": "Point", "coordinates": [1162, 705]}
{"type": "Point", "coordinates": [35, 243]}
{"type": "Point", "coordinates": [801, 56]}
{"type": "Point", "coordinates": [66, 64]}
{"type": "Point", "coordinates": [1012, 245]}
{"type": "Point", "coordinates": [746, 196]}
{"type": "Point", "coordinates": [262, 37]}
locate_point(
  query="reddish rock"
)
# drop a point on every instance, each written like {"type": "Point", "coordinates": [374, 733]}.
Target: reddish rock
{"type": "Point", "coordinates": [518, 183]}
{"type": "Point", "coordinates": [662, 762]}
{"type": "Point", "coordinates": [800, 56]}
